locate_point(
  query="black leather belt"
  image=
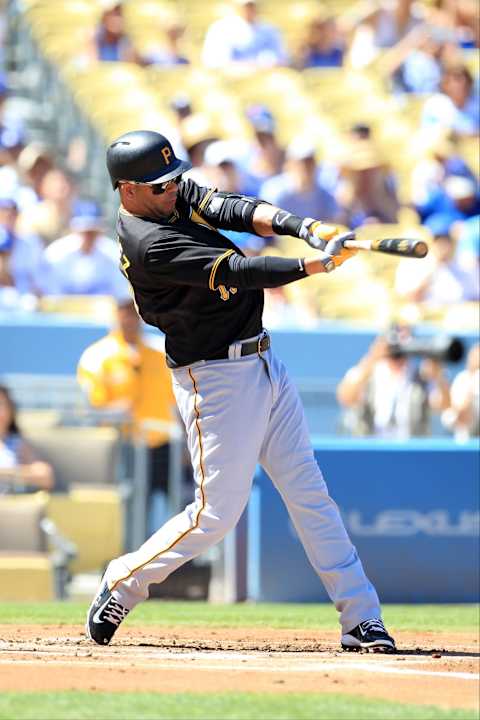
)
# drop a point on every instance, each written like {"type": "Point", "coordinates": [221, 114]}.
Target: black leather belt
{"type": "Point", "coordinates": [260, 345]}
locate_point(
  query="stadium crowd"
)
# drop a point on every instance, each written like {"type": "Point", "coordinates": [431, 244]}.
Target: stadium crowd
{"type": "Point", "coordinates": [57, 241]}
{"type": "Point", "coordinates": [54, 241]}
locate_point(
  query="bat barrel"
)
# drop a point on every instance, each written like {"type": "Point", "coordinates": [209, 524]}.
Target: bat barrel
{"type": "Point", "coordinates": [401, 246]}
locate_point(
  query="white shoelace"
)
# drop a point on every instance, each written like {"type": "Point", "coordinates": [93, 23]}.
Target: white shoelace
{"type": "Point", "coordinates": [374, 624]}
{"type": "Point", "coordinates": [115, 613]}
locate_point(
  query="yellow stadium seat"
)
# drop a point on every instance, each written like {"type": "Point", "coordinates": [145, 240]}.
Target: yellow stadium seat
{"type": "Point", "coordinates": [91, 517]}
{"type": "Point", "coordinates": [26, 567]}
{"type": "Point", "coordinates": [26, 578]}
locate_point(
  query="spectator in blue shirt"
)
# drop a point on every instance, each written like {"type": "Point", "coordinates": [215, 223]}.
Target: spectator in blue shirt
{"type": "Point", "coordinates": [110, 42]}
{"type": "Point", "coordinates": [322, 45]}
{"type": "Point", "coordinates": [85, 262]}
{"type": "Point", "coordinates": [242, 42]}
{"type": "Point", "coordinates": [265, 156]}
{"type": "Point", "coordinates": [20, 256]}
{"type": "Point", "coordinates": [457, 199]}
{"type": "Point", "coordinates": [439, 159]}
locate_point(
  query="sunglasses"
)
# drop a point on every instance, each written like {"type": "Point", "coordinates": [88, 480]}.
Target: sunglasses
{"type": "Point", "coordinates": [157, 188]}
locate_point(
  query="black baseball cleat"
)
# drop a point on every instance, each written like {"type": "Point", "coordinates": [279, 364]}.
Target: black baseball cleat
{"type": "Point", "coordinates": [369, 635]}
{"type": "Point", "coordinates": [104, 616]}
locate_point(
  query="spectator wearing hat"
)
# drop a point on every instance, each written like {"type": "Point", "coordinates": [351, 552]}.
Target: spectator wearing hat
{"type": "Point", "coordinates": [366, 189]}
{"type": "Point", "coordinates": [20, 258]}
{"type": "Point", "coordinates": [390, 395]}
{"type": "Point", "coordinates": [456, 107]}
{"type": "Point", "coordinates": [197, 133]}
{"type": "Point", "coordinates": [264, 157]}
{"type": "Point", "coordinates": [224, 173]}
{"type": "Point", "coordinates": [241, 42]}
{"type": "Point", "coordinates": [223, 158]}
{"type": "Point", "coordinates": [301, 189]}
{"type": "Point", "coordinates": [439, 279]}
{"type": "Point", "coordinates": [85, 262]}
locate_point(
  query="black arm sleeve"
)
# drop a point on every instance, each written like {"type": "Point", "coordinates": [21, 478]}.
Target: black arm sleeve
{"type": "Point", "coordinates": [227, 211]}
{"type": "Point", "coordinates": [258, 272]}
{"type": "Point", "coordinates": [221, 210]}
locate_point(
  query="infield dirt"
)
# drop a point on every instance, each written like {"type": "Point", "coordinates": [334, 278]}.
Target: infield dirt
{"type": "Point", "coordinates": [430, 668]}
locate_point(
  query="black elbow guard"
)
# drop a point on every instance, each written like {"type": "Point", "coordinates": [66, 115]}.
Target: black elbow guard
{"type": "Point", "coordinates": [230, 211]}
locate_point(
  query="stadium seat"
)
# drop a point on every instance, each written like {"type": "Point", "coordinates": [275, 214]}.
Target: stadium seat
{"type": "Point", "coordinates": [30, 570]}
{"type": "Point", "coordinates": [91, 511]}
{"type": "Point", "coordinates": [93, 519]}
{"type": "Point", "coordinates": [79, 455]}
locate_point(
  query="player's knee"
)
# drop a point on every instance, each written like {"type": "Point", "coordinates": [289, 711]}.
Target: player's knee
{"type": "Point", "coordinates": [218, 524]}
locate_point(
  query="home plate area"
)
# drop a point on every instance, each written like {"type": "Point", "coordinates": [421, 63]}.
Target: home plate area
{"type": "Point", "coordinates": [430, 668]}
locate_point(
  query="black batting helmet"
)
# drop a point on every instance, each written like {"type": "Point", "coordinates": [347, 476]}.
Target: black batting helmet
{"type": "Point", "coordinates": [143, 156]}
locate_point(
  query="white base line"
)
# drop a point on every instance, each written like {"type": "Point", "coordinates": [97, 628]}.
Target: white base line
{"type": "Point", "coordinates": [317, 667]}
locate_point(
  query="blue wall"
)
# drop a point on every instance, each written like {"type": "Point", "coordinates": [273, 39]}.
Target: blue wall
{"type": "Point", "coordinates": [52, 344]}
{"type": "Point", "coordinates": [412, 511]}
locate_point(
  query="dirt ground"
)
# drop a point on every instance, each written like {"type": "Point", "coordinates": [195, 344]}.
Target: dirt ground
{"type": "Point", "coordinates": [429, 668]}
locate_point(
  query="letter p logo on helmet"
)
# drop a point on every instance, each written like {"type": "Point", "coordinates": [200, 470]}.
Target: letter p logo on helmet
{"type": "Point", "coordinates": [167, 154]}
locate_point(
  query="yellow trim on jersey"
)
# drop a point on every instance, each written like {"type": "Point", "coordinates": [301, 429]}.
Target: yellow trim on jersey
{"type": "Point", "coordinates": [206, 199]}
{"type": "Point", "coordinates": [202, 495]}
{"type": "Point", "coordinates": [125, 263]}
{"type": "Point", "coordinates": [196, 218]}
{"type": "Point", "coordinates": [211, 281]}
{"type": "Point", "coordinates": [200, 442]}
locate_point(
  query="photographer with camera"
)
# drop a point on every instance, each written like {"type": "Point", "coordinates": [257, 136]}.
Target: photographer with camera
{"type": "Point", "coordinates": [389, 393]}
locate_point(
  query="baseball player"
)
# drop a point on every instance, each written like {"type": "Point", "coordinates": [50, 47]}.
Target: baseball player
{"type": "Point", "coordinates": [234, 396]}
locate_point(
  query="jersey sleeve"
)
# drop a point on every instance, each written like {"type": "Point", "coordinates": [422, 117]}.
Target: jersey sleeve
{"type": "Point", "coordinates": [221, 210]}
{"type": "Point", "coordinates": [179, 260]}
{"type": "Point", "coordinates": [184, 262]}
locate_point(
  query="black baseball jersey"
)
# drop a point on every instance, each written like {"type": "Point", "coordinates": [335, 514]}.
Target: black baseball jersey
{"type": "Point", "coordinates": [191, 281]}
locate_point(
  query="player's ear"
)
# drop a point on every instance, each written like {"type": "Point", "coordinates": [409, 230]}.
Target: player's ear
{"type": "Point", "coordinates": [127, 191]}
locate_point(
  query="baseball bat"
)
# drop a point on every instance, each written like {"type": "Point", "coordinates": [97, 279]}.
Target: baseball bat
{"type": "Point", "coordinates": [405, 247]}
